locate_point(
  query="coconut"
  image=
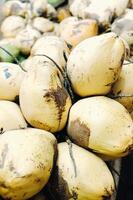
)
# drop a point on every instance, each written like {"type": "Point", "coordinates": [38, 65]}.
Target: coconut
{"type": "Point", "coordinates": [44, 101]}
{"type": "Point", "coordinates": [12, 25]}
{"type": "Point", "coordinates": [123, 26]}
{"type": "Point", "coordinates": [14, 7]}
{"type": "Point", "coordinates": [73, 30]}
{"type": "Point", "coordinates": [26, 39]}
{"type": "Point", "coordinates": [122, 90]}
{"type": "Point", "coordinates": [80, 175]}
{"type": "Point", "coordinates": [28, 161]}
{"type": "Point", "coordinates": [39, 7]}
{"type": "Point", "coordinates": [43, 25]}
{"type": "Point", "coordinates": [101, 10]}
{"type": "Point", "coordinates": [102, 125]}
{"type": "Point", "coordinates": [95, 63]}
{"type": "Point", "coordinates": [59, 51]}
{"type": "Point", "coordinates": [11, 76]}
{"type": "Point", "coordinates": [11, 117]}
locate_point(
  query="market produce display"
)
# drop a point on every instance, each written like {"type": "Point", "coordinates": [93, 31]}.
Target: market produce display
{"type": "Point", "coordinates": [66, 97]}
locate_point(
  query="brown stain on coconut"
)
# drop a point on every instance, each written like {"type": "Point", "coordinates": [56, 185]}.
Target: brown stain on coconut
{"type": "Point", "coordinates": [41, 125]}
{"type": "Point", "coordinates": [41, 166]}
{"type": "Point", "coordinates": [37, 180]}
{"type": "Point", "coordinates": [108, 194]}
{"type": "Point", "coordinates": [59, 96]}
{"type": "Point", "coordinates": [59, 186]}
{"type": "Point", "coordinates": [79, 132]}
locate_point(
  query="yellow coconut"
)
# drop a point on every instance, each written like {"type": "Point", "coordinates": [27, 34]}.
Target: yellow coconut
{"type": "Point", "coordinates": [95, 63]}
{"type": "Point", "coordinates": [14, 7]}
{"type": "Point", "coordinates": [12, 25]}
{"type": "Point", "coordinates": [26, 161]}
{"type": "Point", "coordinates": [44, 101]}
{"type": "Point", "coordinates": [74, 30]}
{"type": "Point", "coordinates": [39, 7]}
{"type": "Point", "coordinates": [10, 116]}
{"type": "Point", "coordinates": [123, 26]}
{"type": "Point", "coordinates": [43, 25]}
{"type": "Point", "coordinates": [102, 125]}
{"type": "Point", "coordinates": [11, 76]}
{"type": "Point", "coordinates": [80, 175]}
{"type": "Point", "coordinates": [101, 10]}
{"type": "Point", "coordinates": [122, 90]}
{"type": "Point", "coordinates": [26, 38]}
{"type": "Point", "coordinates": [52, 46]}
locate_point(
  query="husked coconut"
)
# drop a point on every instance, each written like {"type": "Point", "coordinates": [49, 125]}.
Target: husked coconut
{"type": "Point", "coordinates": [28, 161]}
{"type": "Point", "coordinates": [73, 30]}
{"type": "Point", "coordinates": [26, 39]}
{"type": "Point", "coordinates": [95, 63]}
{"type": "Point", "coordinates": [43, 25]}
{"type": "Point", "coordinates": [52, 46]}
{"type": "Point", "coordinates": [77, 7]}
{"type": "Point", "coordinates": [39, 7]}
{"type": "Point", "coordinates": [14, 7]}
{"type": "Point", "coordinates": [11, 76]}
{"type": "Point", "coordinates": [122, 90]}
{"type": "Point", "coordinates": [123, 26]}
{"type": "Point", "coordinates": [101, 10]}
{"type": "Point", "coordinates": [12, 25]}
{"type": "Point", "coordinates": [81, 175]}
{"type": "Point", "coordinates": [11, 116]}
{"type": "Point", "coordinates": [44, 101]}
{"type": "Point", "coordinates": [102, 125]}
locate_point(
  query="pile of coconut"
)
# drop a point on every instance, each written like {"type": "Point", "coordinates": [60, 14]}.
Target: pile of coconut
{"type": "Point", "coordinates": [66, 97]}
